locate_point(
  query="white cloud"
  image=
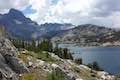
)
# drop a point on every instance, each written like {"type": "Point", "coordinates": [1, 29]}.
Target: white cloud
{"type": "Point", "coordinates": [63, 11]}
{"type": "Point", "coordinates": [5, 5]}
{"type": "Point", "coordinates": [38, 4]}
{"type": "Point", "coordinates": [102, 12]}
{"type": "Point", "coordinates": [115, 20]}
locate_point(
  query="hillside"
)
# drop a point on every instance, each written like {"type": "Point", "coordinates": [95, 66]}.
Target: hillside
{"type": "Point", "coordinates": [21, 64]}
{"type": "Point", "coordinates": [57, 68]}
{"type": "Point", "coordinates": [88, 34]}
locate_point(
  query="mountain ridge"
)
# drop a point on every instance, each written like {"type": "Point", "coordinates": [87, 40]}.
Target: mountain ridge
{"type": "Point", "coordinates": [87, 35]}
{"type": "Point", "coordinates": [22, 27]}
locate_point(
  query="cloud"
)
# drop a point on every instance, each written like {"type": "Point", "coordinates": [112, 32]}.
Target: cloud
{"type": "Point", "coordinates": [63, 11]}
{"type": "Point", "coordinates": [101, 12]}
{"type": "Point", "coordinates": [69, 11]}
{"type": "Point", "coordinates": [5, 5]}
{"type": "Point", "coordinates": [115, 19]}
{"type": "Point", "coordinates": [105, 7]}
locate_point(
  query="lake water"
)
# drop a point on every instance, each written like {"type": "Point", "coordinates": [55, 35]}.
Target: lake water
{"type": "Point", "coordinates": [108, 58]}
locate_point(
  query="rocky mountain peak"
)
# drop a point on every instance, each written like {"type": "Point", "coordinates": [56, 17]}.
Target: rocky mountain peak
{"type": "Point", "coordinates": [15, 13]}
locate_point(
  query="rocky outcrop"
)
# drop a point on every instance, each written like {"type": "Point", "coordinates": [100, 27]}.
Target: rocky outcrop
{"type": "Point", "coordinates": [10, 65]}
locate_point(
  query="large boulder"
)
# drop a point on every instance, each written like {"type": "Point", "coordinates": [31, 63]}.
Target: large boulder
{"type": "Point", "coordinates": [16, 64]}
{"type": "Point", "coordinates": [10, 65]}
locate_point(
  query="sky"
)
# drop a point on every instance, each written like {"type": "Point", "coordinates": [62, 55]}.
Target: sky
{"type": "Point", "coordinates": [100, 12]}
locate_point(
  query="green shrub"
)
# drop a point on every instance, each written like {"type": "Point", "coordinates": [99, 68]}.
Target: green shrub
{"type": "Point", "coordinates": [94, 66]}
{"type": "Point", "coordinates": [27, 76]}
{"type": "Point", "coordinates": [63, 53]}
{"type": "Point", "coordinates": [56, 75]}
{"type": "Point", "coordinates": [78, 61]}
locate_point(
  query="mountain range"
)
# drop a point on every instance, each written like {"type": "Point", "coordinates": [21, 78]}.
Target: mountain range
{"type": "Point", "coordinates": [86, 33]}
{"type": "Point", "coordinates": [19, 26]}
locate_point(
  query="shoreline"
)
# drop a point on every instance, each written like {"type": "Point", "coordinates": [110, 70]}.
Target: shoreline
{"type": "Point", "coordinates": [77, 45]}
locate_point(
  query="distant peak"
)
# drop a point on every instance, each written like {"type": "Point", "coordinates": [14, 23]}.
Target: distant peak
{"type": "Point", "coordinates": [15, 12]}
{"type": "Point", "coordinates": [12, 9]}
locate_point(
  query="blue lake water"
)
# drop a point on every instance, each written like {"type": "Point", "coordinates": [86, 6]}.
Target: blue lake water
{"type": "Point", "coordinates": [108, 58]}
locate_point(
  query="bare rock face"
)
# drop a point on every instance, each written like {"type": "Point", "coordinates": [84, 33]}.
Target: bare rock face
{"type": "Point", "coordinates": [10, 65]}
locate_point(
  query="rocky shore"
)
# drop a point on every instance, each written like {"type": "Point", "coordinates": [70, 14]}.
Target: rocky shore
{"type": "Point", "coordinates": [71, 70]}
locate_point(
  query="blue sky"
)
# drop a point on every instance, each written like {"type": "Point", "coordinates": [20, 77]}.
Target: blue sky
{"type": "Point", "coordinates": [55, 1]}
{"type": "Point", "coordinates": [28, 10]}
{"type": "Point", "coordinates": [100, 12]}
